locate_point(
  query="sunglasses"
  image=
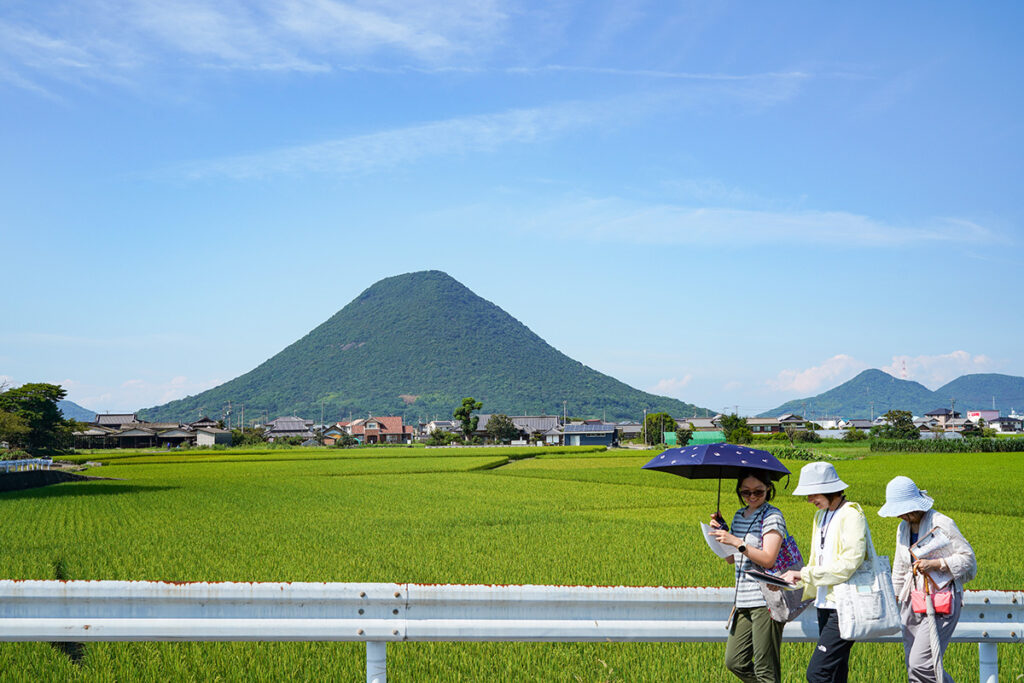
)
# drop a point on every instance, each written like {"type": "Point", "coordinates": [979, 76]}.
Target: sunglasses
{"type": "Point", "coordinates": [753, 494]}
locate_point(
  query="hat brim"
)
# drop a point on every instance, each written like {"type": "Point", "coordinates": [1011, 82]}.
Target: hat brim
{"type": "Point", "coordinates": [896, 508]}
{"type": "Point", "coordinates": [825, 487]}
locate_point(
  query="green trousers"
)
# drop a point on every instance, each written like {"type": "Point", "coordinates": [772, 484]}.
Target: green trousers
{"type": "Point", "coordinates": [752, 651]}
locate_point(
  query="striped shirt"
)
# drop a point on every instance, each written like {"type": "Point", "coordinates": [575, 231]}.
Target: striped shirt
{"type": "Point", "coordinates": [748, 591]}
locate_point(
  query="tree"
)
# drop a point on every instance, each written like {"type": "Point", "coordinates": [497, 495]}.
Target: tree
{"type": "Point", "coordinates": [464, 414]}
{"type": "Point", "coordinates": [790, 431]}
{"type": "Point", "coordinates": [439, 437]}
{"type": "Point", "coordinates": [249, 436]}
{"type": "Point", "coordinates": [741, 434]}
{"type": "Point", "coordinates": [13, 428]}
{"type": "Point", "coordinates": [683, 435]}
{"type": "Point", "coordinates": [854, 434]}
{"type": "Point", "coordinates": [731, 422]}
{"type": "Point", "coordinates": [345, 440]}
{"type": "Point", "coordinates": [974, 429]}
{"type": "Point", "coordinates": [899, 424]}
{"type": "Point", "coordinates": [501, 428]}
{"type": "Point", "coordinates": [36, 405]}
{"type": "Point", "coordinates": [656, 425]}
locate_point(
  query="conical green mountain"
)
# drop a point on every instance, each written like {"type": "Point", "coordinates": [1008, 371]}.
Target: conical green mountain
{"type": "Point", "coordinates": [415, 345]}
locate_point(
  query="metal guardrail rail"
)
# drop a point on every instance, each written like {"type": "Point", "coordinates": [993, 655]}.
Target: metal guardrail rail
{"type": "Point", "coordinates": [379, 613]}
{"type": "Point", "coordinates": [25, 465]}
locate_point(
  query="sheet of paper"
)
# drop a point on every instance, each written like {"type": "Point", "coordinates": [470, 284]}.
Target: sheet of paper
{"type": "Point", "coordinates": [720, 549]}
{"type": "Point", "coordinates": [934, 545]}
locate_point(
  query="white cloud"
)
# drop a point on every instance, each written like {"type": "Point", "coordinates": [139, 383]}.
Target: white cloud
{"type": "Point", "coordinates": [833, 371]}
{"type": "Point", "coordinates": [934, 371]}
{"type": "Point", "coordinates": [671, 386]}
{"type": "Point", "coordinates": [460, 135]}
{"type": "Point", "coordinates": [613, 220]}
{"type": "Point", "coordinates": [134, 393]}
{"type": "Point", "coordinates": [366, 153]}
{"type": "Point", "coordinates": [104, 40]}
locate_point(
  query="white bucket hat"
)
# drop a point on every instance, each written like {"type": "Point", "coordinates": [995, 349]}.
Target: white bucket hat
{"type": "Point", "coordinates": [818, 477]}
{"type": "Point", "coordinates": [903, 496]}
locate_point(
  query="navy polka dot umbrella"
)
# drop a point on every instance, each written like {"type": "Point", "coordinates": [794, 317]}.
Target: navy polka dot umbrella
{"type": "Point", "coordinates": [716, 460]}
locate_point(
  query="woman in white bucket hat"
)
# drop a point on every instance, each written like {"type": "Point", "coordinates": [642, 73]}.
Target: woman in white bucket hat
{"type": "Point", "coordinates": [905, 500]}
{"type": "Point", "coordinates": [838, 547]}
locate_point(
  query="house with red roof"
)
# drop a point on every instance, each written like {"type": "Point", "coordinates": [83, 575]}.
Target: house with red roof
{"type": "Point", "coordinates": [383, 429]}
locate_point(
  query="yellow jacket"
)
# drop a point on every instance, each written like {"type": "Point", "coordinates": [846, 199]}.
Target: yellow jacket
{"type": "Point", "coordinates": [842, 560]}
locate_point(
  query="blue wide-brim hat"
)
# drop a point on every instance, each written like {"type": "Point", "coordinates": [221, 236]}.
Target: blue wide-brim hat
{"type": "Point", "coordinates": [903, 496]}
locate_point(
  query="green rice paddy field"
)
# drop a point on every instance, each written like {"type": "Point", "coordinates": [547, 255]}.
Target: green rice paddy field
{"type": "Point", "coordinates": [449, 516]}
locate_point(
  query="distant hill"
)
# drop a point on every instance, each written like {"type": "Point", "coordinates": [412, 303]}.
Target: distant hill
{"type": "Point", "coordinates": [874, 392]}
{"type": "Point", "coordinates": [415, 345]}
{"type": "Point", "coordinates": [976, 392]}
{"type": "Point", "coordinates": [73, 411]}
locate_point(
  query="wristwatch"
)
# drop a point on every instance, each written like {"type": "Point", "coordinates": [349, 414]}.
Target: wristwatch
{"type": "Point", "coordinates": [742, 548]}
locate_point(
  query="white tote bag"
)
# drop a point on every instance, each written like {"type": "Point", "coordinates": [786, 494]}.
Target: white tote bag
{"type": "Point", "coordinates": [866, 603]}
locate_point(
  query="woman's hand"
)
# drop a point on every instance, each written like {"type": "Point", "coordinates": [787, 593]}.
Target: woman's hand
{"type": "Point", "coordinates": [792, 576]}
{"type": "Point", "coordinates": [714, 523]}
{"type": "Point", "coordinates": [929, 565]}
{"type": "Point", "coordinates": [726, 538]}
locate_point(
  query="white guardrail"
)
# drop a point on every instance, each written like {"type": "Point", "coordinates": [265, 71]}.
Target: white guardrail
{"type": "Point", "coordinates": [25, 465]}
{"type": "Point", "coordinates": [379, 613]}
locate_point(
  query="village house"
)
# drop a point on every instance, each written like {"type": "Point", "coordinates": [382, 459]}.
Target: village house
{"type": "Point", "coordinates": [287, 427]}
{"type": "Point", "coordinates": [526, 425]}
{"type": "Point", "coordinates": [212, 436]}
{"type": "Point", "coordinates": [383, 429]}
{"type": "Point", "coordinates": [599, 434]}
{"type": "Point", "coordinates": [1006, 424]}
{"type": "Point", "coordinates": [764, 425]}
{"type": "Point", "coordinates": [943, 415]}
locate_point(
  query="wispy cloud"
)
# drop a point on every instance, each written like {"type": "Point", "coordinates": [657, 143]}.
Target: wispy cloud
{"type": "Point", "coordinates": [374, 151]}
{"type": "Point", "coordinates": [662, 74]}
{"type": "Point", "coordinates": [466, 134]}
{"type": "Point", "coordinates": [613, 220]}
{"type": "Point", "coordinates": [112, 40]}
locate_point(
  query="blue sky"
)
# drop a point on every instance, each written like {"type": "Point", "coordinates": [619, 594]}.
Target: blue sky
{"type": "Point", "coordinates": [735, 204]}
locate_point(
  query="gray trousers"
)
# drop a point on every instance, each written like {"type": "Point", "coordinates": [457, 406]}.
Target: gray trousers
{"type": "Point", "coordinates": [916, 641]}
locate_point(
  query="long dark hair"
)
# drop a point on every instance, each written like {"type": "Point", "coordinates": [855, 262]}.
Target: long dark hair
{"type": "Point", "coordinates": [761, 476]}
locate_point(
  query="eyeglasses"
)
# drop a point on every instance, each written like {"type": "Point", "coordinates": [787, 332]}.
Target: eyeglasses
{"type": "Point", "coordinates": [753, 494]}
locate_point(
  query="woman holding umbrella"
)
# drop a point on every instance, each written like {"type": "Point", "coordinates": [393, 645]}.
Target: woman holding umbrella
{"type": "Point", "coordinates": [839, 546]}
{"type": "Point", "coordinates": [752, 652]}
{"type": "Point", "coordinates": [926, 635]}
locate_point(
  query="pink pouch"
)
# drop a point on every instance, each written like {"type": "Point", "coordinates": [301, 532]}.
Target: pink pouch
{"type": "Point", "coordinates": [943, 601]}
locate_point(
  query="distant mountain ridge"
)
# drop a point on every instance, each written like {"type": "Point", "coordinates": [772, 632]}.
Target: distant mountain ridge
{"type": "Point", "coordinates": [415, 345]}
{"type": "Point", "coordinates": [874, 392]}
{"type": "Point", "coordinates": [73, 411]}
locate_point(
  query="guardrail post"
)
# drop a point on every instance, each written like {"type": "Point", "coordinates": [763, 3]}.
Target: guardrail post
{"type": "Point", "coordinates": [376, 661]}
{"type": "Point", "coordinates": [988, 662]}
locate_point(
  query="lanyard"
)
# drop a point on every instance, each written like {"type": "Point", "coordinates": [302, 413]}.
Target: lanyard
{"type": "Point", "coordinates": [826, 521]}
